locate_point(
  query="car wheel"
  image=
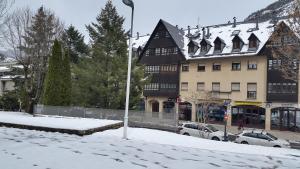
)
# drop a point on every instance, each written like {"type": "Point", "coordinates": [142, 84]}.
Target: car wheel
{"type": "Point", "coordinates": [186, 134]}
{"type": "Point", "coordinates": [277, 146]}
{"type": "Point", "coordinates": [244, 142]}
{"type": "Point", "coordinates": [216, 139]}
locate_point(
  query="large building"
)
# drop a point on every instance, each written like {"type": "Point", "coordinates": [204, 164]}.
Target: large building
{"type": "Point", "coordinates": [218, 69]}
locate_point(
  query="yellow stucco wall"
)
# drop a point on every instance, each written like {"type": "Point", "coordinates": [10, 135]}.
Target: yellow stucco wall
{"type": "Point", "coordinates": [226, 76]}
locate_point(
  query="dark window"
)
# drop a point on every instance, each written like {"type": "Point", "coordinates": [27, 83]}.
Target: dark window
{"type": "Point", "coordinates": [167, 34]}
{"type": "Point", "coordinates": [201, 67]}
{"type": "Point", "coordinates": [184, 86]}
{"type": "Point", "coordinates": [252, 65]}
{"type": "Point", "coordinates": [147, 52]}
{"type": "Point", "coordinates": [236, 45]}
{"type": "Point", "coordinates": [236, 66]}
{"type": "Point", "coordinates": [253, 43]}
{"type": "Point", "coordinates": [216, 67]}
{"type": "Point", "coordinates": [235, 86]}
{"type": "Point", "coordinates": [274, 64]}
{"type": "Point", "coordinates": [157, 51]}
{"type": "Point", "coordinates": [185, 67]}
{"type": "Point", "coordinates": [200, 86]}
{"type": "Point", "coordinates": [169, 68]}
{"type": "Point", "coordinates": [163, 51]}
{"type": "Point", "coordinates": [216, 90]}
{"type": "Point", "coordinates": [203, 48]}
{"type": "Point", "coordinates": [152, 86]}
{"type": "Point", "coordinates": [251, 90]}
{"type": "Point", "coordinates": [152, 69]}
{"type": "Point", "coordinates": [282, 88]}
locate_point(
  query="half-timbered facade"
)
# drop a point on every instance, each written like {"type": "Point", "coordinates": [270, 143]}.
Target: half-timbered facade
{"type": "Point", "coordinates": [162, 56]}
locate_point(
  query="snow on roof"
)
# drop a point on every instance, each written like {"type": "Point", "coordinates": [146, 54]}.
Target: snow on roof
{"type": "Point", "coordinates": [9, 77]}
{"type": "Point", "coordinates": [4, 69]}
{"type": "Point", "coordinates": [140, 42]}
{"type": "Point", "coordinates": [227, 33]}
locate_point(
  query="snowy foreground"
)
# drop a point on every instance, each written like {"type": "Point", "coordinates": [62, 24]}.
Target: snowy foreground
{"type": "Point", "coordinates": [25, 149]}
{"type": "Point", "coordinates": [53, 121]}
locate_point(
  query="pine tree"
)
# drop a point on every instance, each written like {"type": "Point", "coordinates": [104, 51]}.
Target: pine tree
{"type": "Point", "coordinates": [39, 38]}
{"type": "Point", "coordinates": [53, 83]}
{"type": "Point", "coordinates": [109, 58]}
{"type": "Point", "coordinates": [66, 85]}
{"type": "Point", "coordinates": [74, 42]}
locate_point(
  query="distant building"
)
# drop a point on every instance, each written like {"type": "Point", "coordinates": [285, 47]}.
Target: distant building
{"type": "Point", "coordinates": [6, 79]}
{"type": "Point", "coordinates": [231, 63]}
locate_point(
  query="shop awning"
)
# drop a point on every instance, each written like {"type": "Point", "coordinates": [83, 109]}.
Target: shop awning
{"type": "Point", "coordinates": [247, 103]}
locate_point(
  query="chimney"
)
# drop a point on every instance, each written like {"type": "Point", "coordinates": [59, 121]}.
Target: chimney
{"type": "Point", "coordinates": [203, 33]}
{"type": "Point", "coordinates": [137, 35]}
{"type": "Point", "coordinates": [189, 31]}
{"type": "Point", "coordinates": [257, 26]}
{"type": "Point", "coordinates": [177, 26]}
{"type": "Point", "coordinates": [234, 22]}
{"type": "Point", "coordinates": [208, 33]}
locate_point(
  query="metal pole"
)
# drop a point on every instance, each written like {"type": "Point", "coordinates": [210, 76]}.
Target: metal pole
{"type": "Point", "coordinates": [128, 78]}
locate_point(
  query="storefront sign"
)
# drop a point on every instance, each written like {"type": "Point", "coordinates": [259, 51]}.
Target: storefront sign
{"type": "Point", "coordinates": [245, 103]}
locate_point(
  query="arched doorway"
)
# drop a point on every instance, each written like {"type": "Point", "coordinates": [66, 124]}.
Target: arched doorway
{"type": "Point", "coordinates": [155, 106]}
{"type": "Point", "coordinates": [185, 111]}
{"type": "Point", "coordinates": [249, 116]}
{"type": "Point", "coordinates": [285, 118]}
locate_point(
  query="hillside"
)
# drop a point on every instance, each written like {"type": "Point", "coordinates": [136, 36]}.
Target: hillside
{"type": "Point", "coordinates": [280, 8]}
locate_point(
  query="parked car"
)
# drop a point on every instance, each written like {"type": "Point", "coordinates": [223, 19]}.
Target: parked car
{"type": "Point", "coordinates": [260, 137]}
{"type": "Point", "coordinates": [201, 130]}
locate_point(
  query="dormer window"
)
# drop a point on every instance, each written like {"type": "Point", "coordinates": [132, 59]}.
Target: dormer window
{"type": "Point", "coordinates": [192, 47]}
{"type": "Point", "coordinates": [219, 45]}
{"type": "Point", "coordinates": [253, 42]}
{"type": "Point", "coordinates": [205, 46]}
{"type": "Point", "coordinates": [237, 44]}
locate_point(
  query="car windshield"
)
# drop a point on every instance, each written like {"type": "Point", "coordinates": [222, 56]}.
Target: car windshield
{"type": "Point", "coordinates": [273, 137]}
{"type": "Point", "coordinates": [212, 128]}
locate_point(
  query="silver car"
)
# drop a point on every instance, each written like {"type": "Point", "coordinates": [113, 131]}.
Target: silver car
{"type": "Point", "coordinates": [201, 130]}
{"type": "Point", "coordinates": [260, 137]}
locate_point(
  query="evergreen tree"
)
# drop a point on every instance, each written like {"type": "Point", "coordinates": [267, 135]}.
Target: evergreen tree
{"type": "Point", "coordinates": [102, 77]}
{"type": "Point", "coordinates": [53, 83]}
{"type": "Point", "coordinates": [39, 38]}
{"type": "Point", "coordinates": [66, 85]}
{"type": "Point", "coordinates": [109, 54]}
{"type": "Point", "coordinates": [74, 42]}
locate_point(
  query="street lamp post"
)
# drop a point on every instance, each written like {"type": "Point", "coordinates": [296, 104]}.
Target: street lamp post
{"type": "Point", "coordinates": [130, 4]}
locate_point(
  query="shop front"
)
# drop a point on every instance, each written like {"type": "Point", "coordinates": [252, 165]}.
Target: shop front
{"type": "Point", "coordinates": [248, 114]}
{"type": "Point", "coordinates": [285, 118]}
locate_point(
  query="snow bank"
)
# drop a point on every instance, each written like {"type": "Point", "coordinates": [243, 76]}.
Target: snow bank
{"type": "Point", "coordinates": [54, 122]}
{"type": "Point", "coordinates": [167, 138]}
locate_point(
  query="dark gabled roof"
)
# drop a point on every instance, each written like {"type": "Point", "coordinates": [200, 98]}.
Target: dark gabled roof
{"type": "Point", "coordinates": [237, 36]}
{"type": "Point", "coordinates": [175, 33]}
{"type": "Point", "coordinates": [193, 42]}
{"type": "Point", "coordinates": [218, 38]}
{"type": "Point", "coordinates": [206, 41]}
{"type": "Point", "coordinates": [253, 35]}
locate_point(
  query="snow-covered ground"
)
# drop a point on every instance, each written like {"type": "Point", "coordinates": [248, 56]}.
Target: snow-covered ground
{"type": "Point", "coordinates": [26, 149]}
{"type": "Point", "coordinates": [53, 122]}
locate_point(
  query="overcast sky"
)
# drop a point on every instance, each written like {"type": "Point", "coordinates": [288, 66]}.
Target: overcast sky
{"type": "Point", "coordinates": [148, 12]}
